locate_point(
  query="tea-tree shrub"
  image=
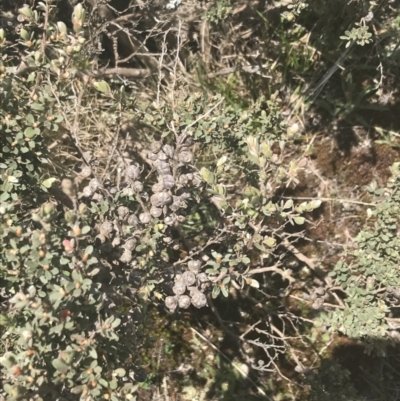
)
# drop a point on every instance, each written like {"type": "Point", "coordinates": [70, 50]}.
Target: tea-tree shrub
{"type": "Point", "coordinates": [61, 324]}
{"type": "Point", "coordinates": [82, 254]}
{"type": "Point", "coordinates": [246, 161]}
{"type": "Point", "coordinates": [369, 275]}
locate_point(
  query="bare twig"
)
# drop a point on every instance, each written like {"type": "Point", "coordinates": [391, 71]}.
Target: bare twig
{"type": "Point", "coordinates": [251, 69]}
{"type": "Point", "coordinates": [251, 328]}
{"type": "Point", "coordinates": [204, 115]}
{"type": "Point", "coordinates": [166, 397]}
{"type": "Point", "coordinates": [160, 64]}
{"type": "Point", "coordinates": [205, 41]}
{"type": "Point", "coordinates": [330, 200]}
{"type": "Point", "coordinates": [284, 273]}
{"type": "Point", "coordinates": [127, 72]}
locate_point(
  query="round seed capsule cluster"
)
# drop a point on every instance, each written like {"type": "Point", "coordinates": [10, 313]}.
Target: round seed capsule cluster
{"type": "Point", "coordinates": [165, 200]}
{"type": "Point", "coordinates": [112, 238]}
{"type": "Point", "coordinates": [175, 173]}
{"type": "Point", "coordinates": [189, 288]}
{"type": "Point", "coordinates": [168, 197]}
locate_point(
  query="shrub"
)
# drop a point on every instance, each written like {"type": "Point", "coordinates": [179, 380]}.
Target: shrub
{"type": "Point", "coordinates": [81, 255]}
{"type": "Point", "coordinates": [109, 203]}
{"type": "Point", "coordinates": [371, 281]}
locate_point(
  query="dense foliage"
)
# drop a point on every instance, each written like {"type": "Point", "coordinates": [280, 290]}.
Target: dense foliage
{"type": "Point", "coordinates": [135, 176]}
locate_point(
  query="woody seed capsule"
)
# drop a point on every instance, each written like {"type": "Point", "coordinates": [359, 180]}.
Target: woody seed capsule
{"type": "Point", "coordinates": [94, 184]}
{"type": "Point", "coordinates": [179, 288]}
{"type": "Point", "coordinates": [171, 303]}
{"type": "Point", "coordinates": [161, 199]}
{"type": "Point", "coordinates": [185, 157]}
{"type": "Point", "coordinates": [168, 181]}
{"type": "Point", "coordinates": [155, 211]}
{"type": "Point", "coordinates": [130, 244]}
{"type": "Point", "coordinates": [184, 301]}
{"type": "Point", "coordinates": [199, 299]}
{"type": "Point", "coordinates": [145, 218]}
{"type": "Point", "coordinates": [194, 266]}
{"type": "Point", "coordinates": [168, 150]}
{"type": "Point", "coordinates": [155, 146]}
{"type": "Point", "coordinates": [123, 212]}
{"type": "Point", "coordinates": [138, 186]}
{"type": "Point", "coordinates": [163, 168]}
{"type": "Point", "coordinates": [158, 187]}
{"type": "Point", "coordinates": [189, 278]}
{"type": "Point", "coordinates": [132, 172]}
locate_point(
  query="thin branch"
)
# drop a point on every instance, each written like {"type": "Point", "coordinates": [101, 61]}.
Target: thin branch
{"type": "Point", "coordinates": [127, 72]}
{"type": "Point", "coordinates": [283, 273]}
{"type": "Point", "coordinates": [330, 199]}
{"type": "Point", "coordinates": [204, 115]}
{"type": "Point", "coordinates": [251, 69]}
{"type": "Point", "coordinates": [160, 75]}
{"type": "Point", "coordinates": [251, 328]}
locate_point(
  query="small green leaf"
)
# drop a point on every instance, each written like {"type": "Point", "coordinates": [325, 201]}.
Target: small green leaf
{"type": "Point", "coordinates": [60, 365]}
{"type": "Point", "coordinates": [120, 372]}
{"type": "Point", "coordinates": [93, 353]}
{"type": "Point", "coordinates": [77, 389]}
{"type": "Point", "coordinates": [245, 260]}
{"type": "Point", "coordinates": [24, 34]}
{"type": "Point", "coordinates": [288, 204]}
{"type": "Point", "coordinates": [207, 176]}
{"type": "Point", "coordinates": [64, 261]}
{"type": "Point", "coordinates": [37, 106]}
{"type": "Point", "coordinates": [103, 383]}
{"type": "Point", "coordinates": [62, 28]}
{"type": "Point", "coordinates": [299, 220]}
{"type": "Point", "coordinates": [254, 283]}
{"type": "Point", "coordinates": [113, 384]}
{"type": "Point", "coordinates": [89, 250]}
{"type": "Point", "coordinates": [102, 86]}
{"type": "Point", "coordinates": [30, 132]}
{"type": "Point", "coordinates": [221, 161]}
{"type": "Point", "coordinates": [26, 12]}
{"type": "Point", "coordinates": [4, 196]}
{"type": "Point", "coordinates": [49, 182]}
{"type": "Point", "coordinates": [8, 360]}
{"type": "Point", "coordinates": [315, 204]}
{"type": "Point", "coordinates": [215, 292]}
{"type": "Point", "coordinates": [94, 272]}
{"type": "Point", "coordinates": [269, 241]}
